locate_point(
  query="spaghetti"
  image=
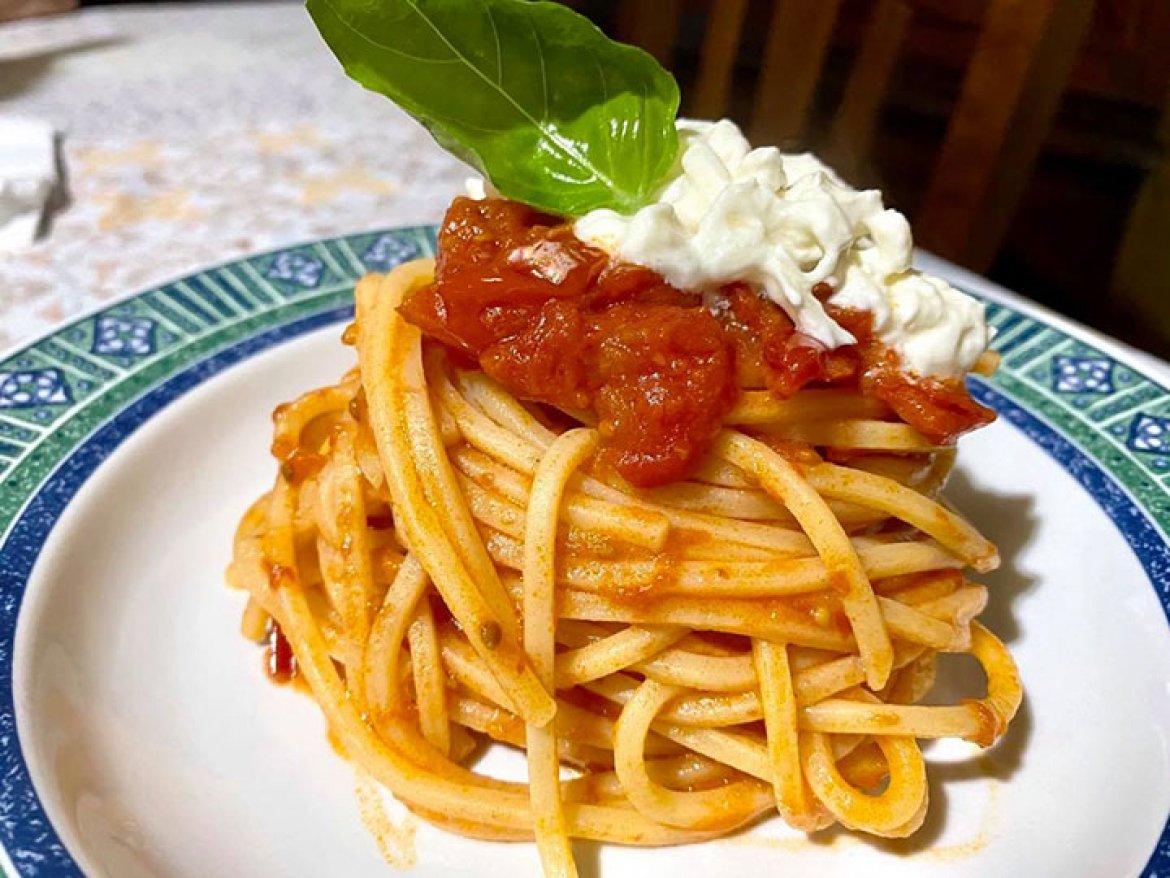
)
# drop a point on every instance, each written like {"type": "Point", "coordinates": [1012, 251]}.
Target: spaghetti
{"type": "Point", "coordinates": [448, 564]}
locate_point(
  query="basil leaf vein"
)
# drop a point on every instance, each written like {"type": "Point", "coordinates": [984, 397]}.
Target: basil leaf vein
{"type": "Point", "coordinates": [530, 93]}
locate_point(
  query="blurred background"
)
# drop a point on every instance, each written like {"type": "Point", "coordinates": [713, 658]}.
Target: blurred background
{"type": "Point", "coordinates": [1026, 139]}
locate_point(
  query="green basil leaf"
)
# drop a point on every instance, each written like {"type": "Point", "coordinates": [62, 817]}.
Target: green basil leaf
{"type": "Point", "coordinates": [552, 111]}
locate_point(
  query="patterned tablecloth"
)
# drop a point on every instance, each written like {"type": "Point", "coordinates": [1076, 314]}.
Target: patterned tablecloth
{"type": "Point", "coordinates": [195, 134]}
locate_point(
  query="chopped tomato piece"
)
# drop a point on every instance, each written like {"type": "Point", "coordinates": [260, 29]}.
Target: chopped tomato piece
{"type": "Point", "coordinates": [556, 321]}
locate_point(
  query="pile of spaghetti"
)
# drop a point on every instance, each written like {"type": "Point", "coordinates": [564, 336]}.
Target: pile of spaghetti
{"type": "Point", "coordinates": [448, 565]}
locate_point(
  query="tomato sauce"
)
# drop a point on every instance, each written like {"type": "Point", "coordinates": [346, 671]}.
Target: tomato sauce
{"type": "Point", "coordinates": [279, 662]}
{"type": "Point", "coordinates": [555, 320]}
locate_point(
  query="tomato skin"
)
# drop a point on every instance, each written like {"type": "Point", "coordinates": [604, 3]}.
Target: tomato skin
{"type": "Point", "coordinates": [556, 321]}
{"type": "Point", "coordinates": [939, 410]}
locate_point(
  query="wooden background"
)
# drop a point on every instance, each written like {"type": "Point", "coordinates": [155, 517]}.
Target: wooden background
{"type": "Point", "coordinates": [1089, 233]}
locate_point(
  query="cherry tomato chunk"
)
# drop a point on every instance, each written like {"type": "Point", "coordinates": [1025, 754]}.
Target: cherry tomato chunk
{"type": "Point", "coordinates": [556, 321]}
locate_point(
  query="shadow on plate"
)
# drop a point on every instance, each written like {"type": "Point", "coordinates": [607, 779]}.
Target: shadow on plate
{"type": "Point", "coordinates": [1008, 520]}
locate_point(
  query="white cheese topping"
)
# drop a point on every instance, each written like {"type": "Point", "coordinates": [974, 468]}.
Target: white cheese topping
{"type": "Point", "coordinates": [785, 223]}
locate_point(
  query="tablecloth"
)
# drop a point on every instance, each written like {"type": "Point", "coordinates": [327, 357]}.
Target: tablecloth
{"type": "Point", "coordinates": [193, 134]}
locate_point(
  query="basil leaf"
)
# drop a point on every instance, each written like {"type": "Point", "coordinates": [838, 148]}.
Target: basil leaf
{"type": "Point", "coordinates": [552, 111]}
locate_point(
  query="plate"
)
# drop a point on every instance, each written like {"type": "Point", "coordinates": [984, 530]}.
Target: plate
{"type": "Point", "coordinates": [139, 737]}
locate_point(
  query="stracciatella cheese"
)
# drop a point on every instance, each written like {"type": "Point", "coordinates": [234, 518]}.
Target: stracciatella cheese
{"type": "Point", "coordinates": [784, 223]}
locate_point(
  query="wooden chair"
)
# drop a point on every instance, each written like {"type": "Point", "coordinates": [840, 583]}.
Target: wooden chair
{"type": "Point", "coordinates": [1141, 276]}
{"type": "Point", "coordinates": [1010, 93]}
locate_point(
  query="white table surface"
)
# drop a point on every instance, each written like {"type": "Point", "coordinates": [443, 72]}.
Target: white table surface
{"type": "Point", "coordinates": [193, 134]}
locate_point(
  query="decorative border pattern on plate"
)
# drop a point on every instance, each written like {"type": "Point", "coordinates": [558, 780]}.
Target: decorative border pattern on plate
{"type": "Point", "coordinates": [68, 399]}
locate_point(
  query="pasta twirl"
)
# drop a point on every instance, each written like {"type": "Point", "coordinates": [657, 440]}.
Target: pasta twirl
{"type": "Point", "coordinates": [447, 564]}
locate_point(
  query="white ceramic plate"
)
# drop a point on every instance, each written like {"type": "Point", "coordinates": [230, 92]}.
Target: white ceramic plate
{"type": "Point", "coordinates": [139, 737]}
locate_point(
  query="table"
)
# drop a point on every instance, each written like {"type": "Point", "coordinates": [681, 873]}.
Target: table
{"type": "Point", "coordinates": [196, 133]}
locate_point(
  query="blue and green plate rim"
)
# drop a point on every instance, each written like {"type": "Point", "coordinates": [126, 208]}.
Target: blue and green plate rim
{"type": "Point", "coordinates": [72, 397]}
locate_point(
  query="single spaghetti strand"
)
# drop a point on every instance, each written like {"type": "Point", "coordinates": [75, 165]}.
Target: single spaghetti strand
{"type": "Point", "coordinates": [430, 683]}
{"type": "Point", "coordinates": [567, 452]}
{"type": "Point", "coordinates": [895, 812]}
{"type": "Point", "coordinates": [778, 699]}
{"type": "Point", "coordinates": [614, 653]}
